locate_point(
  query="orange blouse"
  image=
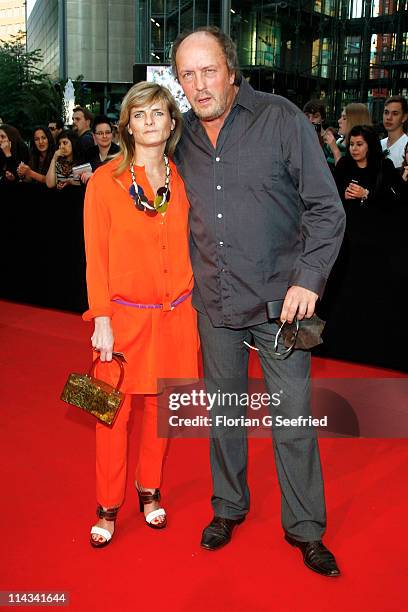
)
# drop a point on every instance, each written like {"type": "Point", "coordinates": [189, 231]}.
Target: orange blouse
{"type": "Point", "coordinates": [144, 260]}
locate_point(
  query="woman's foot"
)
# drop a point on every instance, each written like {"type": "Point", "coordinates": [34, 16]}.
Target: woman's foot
{"type": "Point", "coordinates": [149, 502]}
{"type": "Point", "coordinates": [102, 532]}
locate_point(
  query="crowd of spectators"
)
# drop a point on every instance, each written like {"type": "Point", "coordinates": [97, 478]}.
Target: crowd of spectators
{"type": "Point", "coordinates": [58, 156]}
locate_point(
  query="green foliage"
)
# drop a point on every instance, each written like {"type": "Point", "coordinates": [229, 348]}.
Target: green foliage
{"type": "Point", "coordinates": [27, 96]}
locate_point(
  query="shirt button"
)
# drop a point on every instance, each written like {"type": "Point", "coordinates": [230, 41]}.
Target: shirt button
{"type": "Point", "coordinates": [164, 246]}
{"type": "Point", "coordinates": [221, 243]}
{"type": "Point", "coordinates": [165, 271]}
{"type": "Point", "coordinates": [167, 294]}
{"type": "Point", "coordinates": [218, 187]}
{"type": "Point", "coordinates": [219, 215]}
{"type": "Point", "coordinates": [217, 159]}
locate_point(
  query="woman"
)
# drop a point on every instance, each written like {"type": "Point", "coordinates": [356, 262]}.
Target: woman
{"type": "Point", "coordinates": [364, 175]}
{"type": "Point", "coordinates": [352, 114]}
{"type": "Point", "coordinates": [42, 151]}
{"type": "Point", "coordinates": [13, 150]}
{"type": "Point", "coordinates": [139, 282]}
{"type": "Point", "coordinates": [66, 156]}
{"type": "Point", "coordinates": [104, 150]}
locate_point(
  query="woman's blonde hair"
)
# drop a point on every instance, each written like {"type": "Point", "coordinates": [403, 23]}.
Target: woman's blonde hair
{"type": "Point", "coordinates": [356, 114]}
{"type": "Point", "coordinates": [140, 94]}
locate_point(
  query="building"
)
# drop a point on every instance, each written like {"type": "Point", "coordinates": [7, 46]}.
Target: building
{"type": "Point", "coordinates": [12, 20]}
{"type": "Point", "coordinates": [94, 39]}
{"type": "Point", "coordinates": [338, 50]}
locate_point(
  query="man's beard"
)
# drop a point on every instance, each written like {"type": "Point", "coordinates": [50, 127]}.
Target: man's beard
{"type": "Point", "coordinates": [211, 113]}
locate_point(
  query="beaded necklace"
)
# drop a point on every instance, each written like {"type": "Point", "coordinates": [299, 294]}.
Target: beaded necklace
{"type": "Point", "coordinates": [162, 198]}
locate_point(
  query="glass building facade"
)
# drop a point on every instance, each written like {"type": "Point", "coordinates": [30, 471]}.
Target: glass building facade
{"type": "Point", "coordinates": [339, 50]}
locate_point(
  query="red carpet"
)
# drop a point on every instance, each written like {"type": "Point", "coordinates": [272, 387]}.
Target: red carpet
{"type": "Point", "coordinates": [48, 503]}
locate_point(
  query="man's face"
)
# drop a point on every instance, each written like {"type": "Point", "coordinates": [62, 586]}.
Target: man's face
{"type": "Point", "coordinates": [314, 118]}
{"type": "Point", "coordinates": [81, 124]}
{"type": "Point", "coordinates": [393, 117]}
{"type": "Point", "coordinates": [204, 76]}
{"type": "Point", "coordinates": [52, 126]}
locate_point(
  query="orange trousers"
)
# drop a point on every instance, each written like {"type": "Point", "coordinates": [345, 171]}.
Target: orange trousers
{"type": "Point", "coordinates": [111, 454]}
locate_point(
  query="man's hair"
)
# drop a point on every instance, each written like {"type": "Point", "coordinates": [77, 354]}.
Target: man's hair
{"type": "Point", "coordinates": [225, 42]}
{"type": "Point", "coordinates": [400, 100]}
{"type": "Point", "coordinates": [87, 113]}
{"type": "Point", "coordinates": [59, 124]}
{"type": "Point", "coordinates": [146, 93]}
{"type": "Point", "coordinates": [315, 106]}
{"type": "Point", "coordinates": [100, 119]}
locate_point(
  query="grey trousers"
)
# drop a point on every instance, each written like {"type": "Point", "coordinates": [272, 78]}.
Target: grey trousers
{"type": "Point", "coordinates": [225, 360]}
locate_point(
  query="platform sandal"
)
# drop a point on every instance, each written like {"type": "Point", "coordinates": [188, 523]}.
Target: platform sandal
{"type": "Point", "coordinates": [109, 514]}
{"type": "Point", "coordinates": [146, 497]}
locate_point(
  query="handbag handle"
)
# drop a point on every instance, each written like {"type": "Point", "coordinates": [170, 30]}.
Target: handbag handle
{"type": "Point", "coordinates": [119, 360]}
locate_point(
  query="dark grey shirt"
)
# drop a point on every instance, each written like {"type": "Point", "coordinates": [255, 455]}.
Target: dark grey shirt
{"type": "Point", "coordinates": [265, 211]}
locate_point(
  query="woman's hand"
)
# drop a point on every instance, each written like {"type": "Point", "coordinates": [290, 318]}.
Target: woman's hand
{"type": "Point", "coordinates": [328, 138]}
{"type": "Point", "coordinates": [102, 338]}
{"type": "Point", "coordinates": [85, 176]}
{"type": "Point", "coordinates": [23, 170]}
{"type": "Point", "coordinates": [58, 153]}
{"type": "Point", "coordinates": [355, 192]}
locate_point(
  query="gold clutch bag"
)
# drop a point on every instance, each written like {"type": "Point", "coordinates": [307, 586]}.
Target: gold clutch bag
{"type": "Point", "coordinates": [93, 395]}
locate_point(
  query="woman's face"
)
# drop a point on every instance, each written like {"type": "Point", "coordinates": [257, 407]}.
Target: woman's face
{"type": "Point", "coordinates": [358, 148]}
{"type": "Point", "coordinates": [4, 140]}
{"type": "Point", "coordinates": [41, 141]}
{"type": "Point", "coordinates": [150, 124]}
{"type": "Point", "coordinates": [103, 135]}
{"type": "Point", "coordinates": [66, 147]}
{"type": "Point", "coordinates": [342, 123]}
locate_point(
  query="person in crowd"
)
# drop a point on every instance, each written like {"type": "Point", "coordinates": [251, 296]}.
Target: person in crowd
{"type": "Point", "coordinates": [315, 111]}
{"type": "Point", "coordinates": [140, 282]}
{"type": "Point", "coordinates": [394, 116]}
{"type": "Point", "coordinates": [82, 120]}
{"type": "Point", "coordinates": [104, 149]}
{"type": "Point", "coordinates": [364, 176]}
{"type": "Point", "coordinates": [67, 155]}
{"type": "Point", "coordinates": [404, 166]}
{"type": "Point", "coordinates": [266, 225]}
{"type": "Point", "coordinates": [42, 151]}
{"type": "Point", "coordinates": [351, 115]}
{"type": "Point", "coordinates": [13, 151]}
{"type": "Point", "coordinates": [55, 126]}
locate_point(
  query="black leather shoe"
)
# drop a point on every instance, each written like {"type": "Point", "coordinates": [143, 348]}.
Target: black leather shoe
{"type": "Point", "coordinates": [316, 556]}
{"type": "Point", "coordinates": [218, 533]}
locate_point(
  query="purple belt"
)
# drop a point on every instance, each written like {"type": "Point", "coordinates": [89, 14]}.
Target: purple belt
{"type": "Point", "coordinates": [166, 306]}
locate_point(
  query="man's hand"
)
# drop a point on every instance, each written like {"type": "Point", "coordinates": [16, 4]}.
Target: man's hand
{"type": "Point", "coordinates": [102, 338]}
{"type": "Point", "coordinates": [299, 302]}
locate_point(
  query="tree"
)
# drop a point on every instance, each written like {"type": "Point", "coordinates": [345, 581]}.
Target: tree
{"type": "Point", "coordinates": [27, 96]}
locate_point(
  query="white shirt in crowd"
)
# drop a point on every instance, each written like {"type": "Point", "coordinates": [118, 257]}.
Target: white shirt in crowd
{"type": "Point", "coordinates": [396, 151]}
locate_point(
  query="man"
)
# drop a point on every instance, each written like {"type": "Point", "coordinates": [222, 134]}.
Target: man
{"type": "Point", "coordinates": [394, 116]}
{"type": "Point", "coordinates": [266, 223]}
{"type": "Point", "coordinates": [315, 111]}
{"type": "Point", "coordinates": [55, 127]}
{"type": "Point", "coordinates": [82, 119]}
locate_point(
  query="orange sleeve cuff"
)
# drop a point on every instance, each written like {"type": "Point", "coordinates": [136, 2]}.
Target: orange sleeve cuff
{"type": "Point", "coordinates": [102, 311]}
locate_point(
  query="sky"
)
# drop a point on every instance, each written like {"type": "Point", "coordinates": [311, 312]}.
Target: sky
{"type": "Point", "coordinates": [30, 4]}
